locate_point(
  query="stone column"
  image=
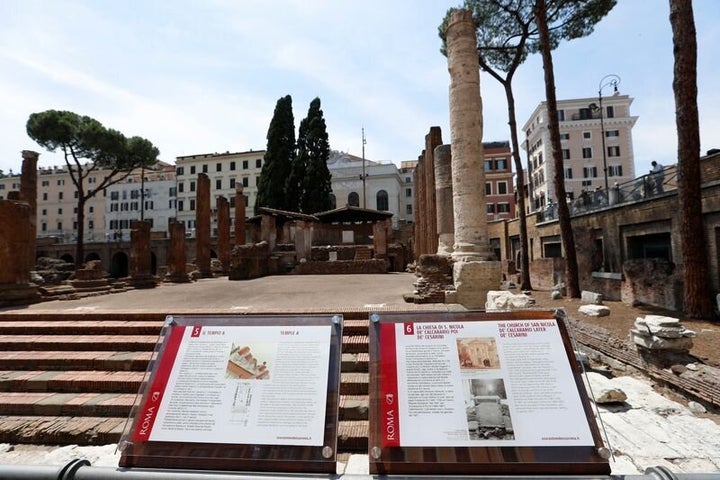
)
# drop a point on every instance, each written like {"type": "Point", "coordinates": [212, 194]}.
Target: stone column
{"type": "Point", "coordinates": [239, 215]}
{"type": "Point", "coordinates": [380, 238]}
{"type": "Point", "coordinates": [140, 256]}
{"type": "Point", "coordinates": [15, 286]}
{"type": "Point", "coordinates": [202, 226]}
{"type": "Point", "coordinates": [473, 274]}
{"type": "Point", "coordinates": [444, 199]}
{"type": "Point", "coordinates": [28, 193]}
{"type": "Point", "coordinates": [268, 231]}
{"type": "Point", "coordinates": [223, 237]}
{"type": "Point", "coordinates": [419, 197]}
{"type": "Point", "coordinates": [303, 240]}
{"type": "Point", "coordinates": [432, 140]}
{"type": "Point", "coordinates": [176, 269]}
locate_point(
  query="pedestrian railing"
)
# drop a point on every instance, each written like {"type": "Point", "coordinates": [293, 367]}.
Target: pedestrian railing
{"type": "Point", "coordinates": [641, 188]}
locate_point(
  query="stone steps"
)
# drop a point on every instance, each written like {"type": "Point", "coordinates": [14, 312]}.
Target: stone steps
{"type": "Point", "coordinates": [71, 381]}
{"type": "Point", "coordinates": [79, 327]}
{"type": "Point", "coordinates": [126, 343]}
{"type": "Point", "coordinates": [80, 360]}
{"type": "Point", "coordinates": [66, 404]}
{"type": "Point", "coordinates": [73, 378]}
{"type": "Point", "coordinates": [61, 430]}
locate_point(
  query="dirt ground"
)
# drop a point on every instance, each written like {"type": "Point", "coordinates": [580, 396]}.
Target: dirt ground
{"type": "Point", "coordinates": [620, 321]}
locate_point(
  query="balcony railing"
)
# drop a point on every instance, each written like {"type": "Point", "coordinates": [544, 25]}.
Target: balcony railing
{"type": "Point", "coordinates": [641, 188]}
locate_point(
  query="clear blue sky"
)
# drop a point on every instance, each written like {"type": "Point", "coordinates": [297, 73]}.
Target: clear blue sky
{"type": "Point", "coordinates": [198, 77]}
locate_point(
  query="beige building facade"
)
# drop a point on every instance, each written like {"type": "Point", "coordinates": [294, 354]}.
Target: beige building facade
{"type": "Point", "coordinates": [226, 171]}
{"type": "Point", "coordinates": [57, 204]}
{"type": "Point", "coordinates": [594, 142]}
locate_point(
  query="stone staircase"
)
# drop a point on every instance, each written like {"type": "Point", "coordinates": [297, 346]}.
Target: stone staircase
{"type": "Point", "coordinates": [73, 378]}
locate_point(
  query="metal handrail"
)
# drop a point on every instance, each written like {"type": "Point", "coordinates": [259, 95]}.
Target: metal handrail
{"type": "Point", "coordinates": [641, 188]}
{"type": "Point", "coordinates": [80, 469]}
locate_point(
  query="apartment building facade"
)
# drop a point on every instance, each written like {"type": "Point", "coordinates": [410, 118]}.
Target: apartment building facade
{"type": "Point", "coordinates": [499, 196]}
{"type": "Point", "coordinates": [407, 169]}
{"type": "Point", "coordinates": [126, 202]}
{"type": "Point", "coordinates": [225, 171]}
{"type": "Point", "coordinates": [595, 142]}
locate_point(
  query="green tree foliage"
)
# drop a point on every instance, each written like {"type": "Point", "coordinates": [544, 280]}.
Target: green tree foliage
{"type": "Point", "coordinates": [313, 153]}
{"type": "Point", "coordinates": [89, 149]}
{"type": "Point", "coordinates": [279, 157]}
{"type": "Point", "coordinates": [506, 35]}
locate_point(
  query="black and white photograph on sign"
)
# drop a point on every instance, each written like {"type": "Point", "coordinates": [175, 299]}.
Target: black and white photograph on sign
{"type": "Point", "coordinates": [478, 353]}
{"type": "Point", "coordinates": [486, 407]}
{"type": "Point", "coordinates": [248, 362]}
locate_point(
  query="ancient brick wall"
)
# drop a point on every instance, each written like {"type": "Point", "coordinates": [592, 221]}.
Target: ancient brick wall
{"type": "Point", "coordinates": [545, 273]}
{"type": "Point", "coordinates": [250, 261]}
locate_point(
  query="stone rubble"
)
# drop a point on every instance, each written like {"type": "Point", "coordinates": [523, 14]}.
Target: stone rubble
{"type": "Point", "coordinates": [504, 300]}
{"type": "Point", "coordinates": [657, 332]}
{"type": "Point", "coordinates": [591, 297]}
{"type": "Point", "coordinates": [594, 310]}
{"type": "Point", "coordinates": [604, 390]}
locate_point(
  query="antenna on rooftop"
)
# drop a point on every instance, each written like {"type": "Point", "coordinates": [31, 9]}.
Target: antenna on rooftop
{"type": "Point", "coordinates": [363, 166]}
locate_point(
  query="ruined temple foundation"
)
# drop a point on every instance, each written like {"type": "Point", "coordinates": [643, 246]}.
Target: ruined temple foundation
{"type": "Point", "coordinates": [474, 272]}
{"type": "Point", "coordinates": [434, 274]}
{"type": "Point", "coordinates": [91, 279]}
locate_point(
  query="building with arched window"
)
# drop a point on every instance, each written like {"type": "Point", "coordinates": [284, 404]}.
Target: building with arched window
{"type": "Point", "coordinates": [381, 200]}
{"type": "Point", "coordinates": [383, 188]}
{"type": "Point", "coordinates": [353, 199]}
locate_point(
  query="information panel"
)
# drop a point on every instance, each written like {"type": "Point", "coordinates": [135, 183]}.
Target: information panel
{"type": "Point", "coordinates": [222, 383]}
{"type": "Point", "coordinates": [502, 390]}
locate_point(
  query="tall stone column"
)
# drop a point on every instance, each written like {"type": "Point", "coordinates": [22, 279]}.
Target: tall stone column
{"type": "Point", "coordinates": [419, 198]}
{"type": "Point", "coordinates": [202, 226]}
{"type": "Point", "coordinates": [473, 274]}
{"type": "Point", "coordinates": [444, 199]}
{"type": "Point", "coordinates": [432, 140]}
{"type": "Point", "coordinates": [28, 193]}
{"type": "Point", "coordinates": [140, 255]}
{"type": "Point", "coordinates": [239, 215]}
{"type": "Point", "coordinates": [223, 238]}
{"type": "Point", "coordinates": [176, 269]}
{"type": "Point", "coordinates": [15, 286]}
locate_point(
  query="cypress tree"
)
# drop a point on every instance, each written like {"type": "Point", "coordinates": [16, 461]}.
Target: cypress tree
{"type": "Point", "coordinates": [314, 153]}
{"type": "Point", "coordinates": [279, 157]}
{"type": "Point", "coordinates": [295, 185]}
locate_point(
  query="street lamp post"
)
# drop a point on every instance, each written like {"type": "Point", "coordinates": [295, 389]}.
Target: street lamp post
{"type": "Point", "coordinates": [607, 81]}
